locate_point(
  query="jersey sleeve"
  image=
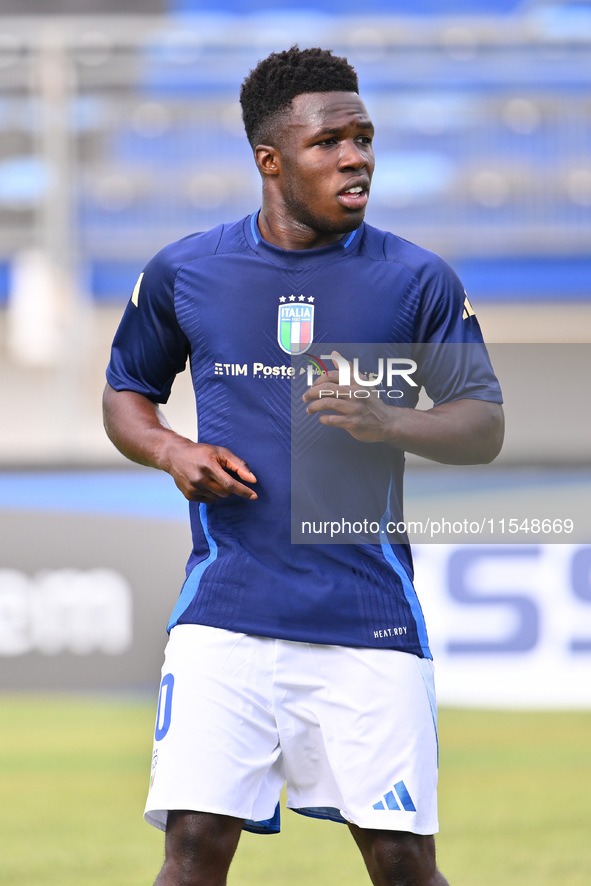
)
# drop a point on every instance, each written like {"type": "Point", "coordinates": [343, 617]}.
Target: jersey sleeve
{"type": "Point", "coordinates": [453, 362]}
{"type": "Point", "coordinates": [149, 348]}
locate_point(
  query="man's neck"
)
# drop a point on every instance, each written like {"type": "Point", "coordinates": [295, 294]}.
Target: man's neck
{"type": "Point", "coordinates": [288, 233]}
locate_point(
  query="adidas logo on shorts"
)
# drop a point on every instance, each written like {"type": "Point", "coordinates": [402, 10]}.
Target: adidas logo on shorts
{"type": "Point", "coordinates": [396, 798]}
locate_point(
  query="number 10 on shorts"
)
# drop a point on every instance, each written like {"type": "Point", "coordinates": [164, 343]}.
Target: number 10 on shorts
{"type": "Point", "coordinates": [164, 707]}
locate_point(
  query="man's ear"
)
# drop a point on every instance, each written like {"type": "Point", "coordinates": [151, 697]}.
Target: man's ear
{"type": "Point", "coordinates": [267, 159]}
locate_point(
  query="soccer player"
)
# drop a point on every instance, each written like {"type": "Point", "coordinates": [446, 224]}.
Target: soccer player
{"type": "Point", "coordinates": [288, 663]}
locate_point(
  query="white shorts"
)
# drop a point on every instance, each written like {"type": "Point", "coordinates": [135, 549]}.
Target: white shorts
{"type": "Point", "coordinates": [352, 732]}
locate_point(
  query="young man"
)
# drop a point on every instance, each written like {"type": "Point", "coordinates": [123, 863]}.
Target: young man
{"type": "Point", "coordinates": [275, 669]}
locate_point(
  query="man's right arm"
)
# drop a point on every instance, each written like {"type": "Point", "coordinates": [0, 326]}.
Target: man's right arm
{"type": "Point", "coordinates": [139, 430]}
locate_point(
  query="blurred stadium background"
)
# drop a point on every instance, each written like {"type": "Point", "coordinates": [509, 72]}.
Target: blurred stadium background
{"type": "Point", "coordinates": [120, 131]}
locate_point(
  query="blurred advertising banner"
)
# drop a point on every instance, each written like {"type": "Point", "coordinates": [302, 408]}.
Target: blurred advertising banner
{"type": "Point", "coordinates": [509, 625]}
{"type": "Point", "coordinates": [91, 564]}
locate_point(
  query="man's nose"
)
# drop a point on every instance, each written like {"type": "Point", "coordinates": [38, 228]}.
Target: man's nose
{"type": "Point", "coordinates": [352, 156]}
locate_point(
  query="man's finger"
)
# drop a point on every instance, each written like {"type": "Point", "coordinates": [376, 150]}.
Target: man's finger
{"type": "Point", "coordinates": [231, 462]}
{"type": "Point", "coordinates": [219, 486]}
{"type": "Point", "coordinates": [227, 461]}
{"type": "Point", "coordinates": [326, 383]}
{"type": "Point", "coordinates": [331, 404]}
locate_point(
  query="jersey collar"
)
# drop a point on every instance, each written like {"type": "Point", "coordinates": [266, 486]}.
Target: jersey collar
{"type": "Point", "coordinates": [297, 257]}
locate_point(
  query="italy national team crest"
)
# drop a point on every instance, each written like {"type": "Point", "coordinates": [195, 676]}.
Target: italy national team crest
{"type": "Point", "coordinates": [295, 325]}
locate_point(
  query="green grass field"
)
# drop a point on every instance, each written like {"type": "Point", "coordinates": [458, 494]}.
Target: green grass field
{"type": "Point", "coordinates": [515, 802]}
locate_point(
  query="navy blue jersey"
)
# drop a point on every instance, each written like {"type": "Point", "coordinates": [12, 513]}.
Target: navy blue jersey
{"type": "Point", "coordinates": [240, 309]}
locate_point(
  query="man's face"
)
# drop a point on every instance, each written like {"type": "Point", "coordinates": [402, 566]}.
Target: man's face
{"type": "Point", "coordinates": [327, 162]}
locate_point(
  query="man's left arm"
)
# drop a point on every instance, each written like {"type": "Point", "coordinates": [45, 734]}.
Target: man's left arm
{"type": "Point", "coordinates": [460, 432]}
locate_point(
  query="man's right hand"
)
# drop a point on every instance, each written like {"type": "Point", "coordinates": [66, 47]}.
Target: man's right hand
{"type": "Point", "coordinates": [202, 472]}
{"type": "Point", "coordinates": [207, 473]}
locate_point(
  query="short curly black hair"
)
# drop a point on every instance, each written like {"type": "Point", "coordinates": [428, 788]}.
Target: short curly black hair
{"type": "Point", "coordinates": [276, 80]}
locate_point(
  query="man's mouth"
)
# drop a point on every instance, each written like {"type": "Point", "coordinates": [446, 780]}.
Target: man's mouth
{"type": "Point", "coordinates": [354, 197]}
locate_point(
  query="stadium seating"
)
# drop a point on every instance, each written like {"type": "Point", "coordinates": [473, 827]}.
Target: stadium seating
{"type": "Point", "coordinates": [482, 112]}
